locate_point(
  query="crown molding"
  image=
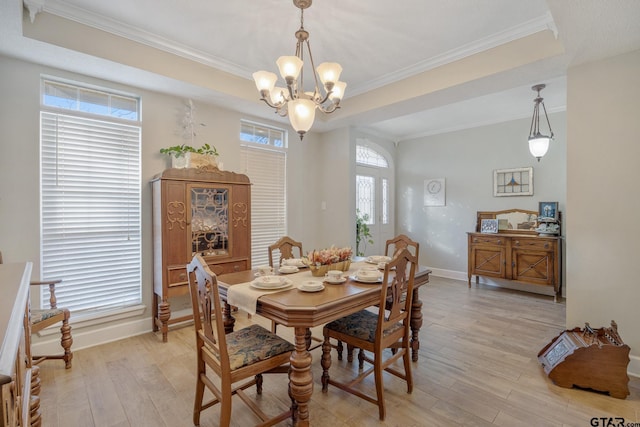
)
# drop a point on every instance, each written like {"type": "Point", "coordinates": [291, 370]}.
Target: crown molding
{"type": "Point", "coordinates": [542, 23]}
{"type": "Point", "coordinates": [84, 17]}
{"type": "Point", "coordinates": [34, 7]}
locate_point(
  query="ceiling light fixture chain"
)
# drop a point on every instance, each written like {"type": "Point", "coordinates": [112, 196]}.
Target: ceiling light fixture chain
{"type": "Point", "coordinates": [538, 142]}
{"type": "Point", "coordinates": [293, 101]}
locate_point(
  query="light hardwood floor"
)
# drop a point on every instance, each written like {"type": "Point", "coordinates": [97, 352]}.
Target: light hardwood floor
{"type": "Point", "coordinates": [478, 366]}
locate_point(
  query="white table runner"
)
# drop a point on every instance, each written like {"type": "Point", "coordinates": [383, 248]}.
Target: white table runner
{"type": "Point", "coordinates": [246, 297]}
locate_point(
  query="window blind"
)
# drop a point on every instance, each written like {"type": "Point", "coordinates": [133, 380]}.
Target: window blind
{"type": "Point", "coordinates": [267, 171]}
{"type": "Point", "coordinates": [90, 211]}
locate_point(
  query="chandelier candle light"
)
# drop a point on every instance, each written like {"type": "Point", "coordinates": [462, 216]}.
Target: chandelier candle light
{"type": "Point", "coordinates": [539, 143]}
{"type": "Point", "coordinates": [293, 101]}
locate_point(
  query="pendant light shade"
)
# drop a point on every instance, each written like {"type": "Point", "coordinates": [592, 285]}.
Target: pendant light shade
{"type": "Point", "coordinates": [538, 146]}
{"type": "Point", "coordinates": [538, 142]}
{"type": "Point", "coordinates": [301, 112]}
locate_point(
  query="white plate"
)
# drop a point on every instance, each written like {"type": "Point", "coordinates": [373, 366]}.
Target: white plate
{"type": "Point", "coordinates": [296, 262]}
{"type": "Point", "coordinates": [363, 280]}
{"type": "Point", "coordinates": [336, 282]}
{"type": "Point", "coordinates": [375, 259]}
{"type": "Point", "coordinates": [288, 269]}
{"type": "Point", "coordinates": [258, 274]}
{"type": "Point", "coordinates": [315, 288]}
{"type": "Point", "coordinates": [303, 289]}
{"type": "Point", "coordinates": [285, 283]}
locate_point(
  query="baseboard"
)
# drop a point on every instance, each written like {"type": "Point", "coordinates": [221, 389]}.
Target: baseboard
{"type": "Point", "coordinates": [448, 274]}
{"type": "Point", "coordinates": [634, 366]}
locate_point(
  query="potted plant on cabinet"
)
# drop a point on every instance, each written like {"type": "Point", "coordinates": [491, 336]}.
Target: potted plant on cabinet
{"type": "Point", "coordinates": [186, 156]}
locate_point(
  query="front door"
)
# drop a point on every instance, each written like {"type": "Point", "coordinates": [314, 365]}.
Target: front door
{"type": "Point", "coordinates": [374, 199]}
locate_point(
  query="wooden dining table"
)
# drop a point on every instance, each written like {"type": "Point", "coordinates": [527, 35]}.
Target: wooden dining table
{"type": "Point", "coordinates": [304, 310]}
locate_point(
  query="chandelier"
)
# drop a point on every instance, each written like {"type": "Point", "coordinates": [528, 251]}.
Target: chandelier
{"type": "Point", "coordinates": [293, 100]}
{"type": "Point", "coordinates": [539, 143]}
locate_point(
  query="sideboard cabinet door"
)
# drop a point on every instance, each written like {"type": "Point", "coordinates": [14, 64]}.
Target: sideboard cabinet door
{"type": "Point", "coordinates": [531, 260]}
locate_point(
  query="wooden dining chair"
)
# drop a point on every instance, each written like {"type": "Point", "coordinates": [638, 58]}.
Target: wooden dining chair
{"type": "Point", "coordinates": [43, 318]}
{"type": "Point", "coordinates": [374, 332]}
{"type": "Point", "coordinates": [238, 359]}
{"type": "Point", "coordinates": [285, 246]}
{"type": "Point", "coordinates": [399, 242]}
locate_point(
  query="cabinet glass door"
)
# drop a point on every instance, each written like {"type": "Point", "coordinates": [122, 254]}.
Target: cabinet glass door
{"type": "Point", "coordinates": [209, 221]}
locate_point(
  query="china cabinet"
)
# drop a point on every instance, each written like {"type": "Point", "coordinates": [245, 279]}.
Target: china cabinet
{"type": "Point", "coordinates": [202, 211]}
{"type": "Point", "coordinates": [515, 252]}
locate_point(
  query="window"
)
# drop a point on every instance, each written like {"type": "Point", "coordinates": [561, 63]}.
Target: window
{"type": "Point", "coordinates": [264, 161]}
{"type": "Point", "coordinates": [90, 197]}
{"type": "Point", "coordinates": [261, 134]}
{"type": "Point", "coordinates": [369, 157]}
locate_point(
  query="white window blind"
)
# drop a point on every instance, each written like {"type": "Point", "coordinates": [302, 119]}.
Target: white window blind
{"type": "Point", "coordinates": [90, 211]}
{"type": "Point", "coordinates": [267, 171]}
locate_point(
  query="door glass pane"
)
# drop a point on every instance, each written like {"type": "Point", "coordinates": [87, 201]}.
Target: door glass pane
{"type": "Point", "coordinates": [385, 200]}
{"type": "Point", "coordinates": [365, 197]}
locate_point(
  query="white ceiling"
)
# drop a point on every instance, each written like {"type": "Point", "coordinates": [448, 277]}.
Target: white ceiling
{"type": "Point", "coordinates": [378, 43]}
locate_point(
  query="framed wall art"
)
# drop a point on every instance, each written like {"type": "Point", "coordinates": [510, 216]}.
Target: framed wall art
{"type": "Point", "coordinates": [548, 210]}
{"type": "Point", "coordinates": [434, 194]}
{"type": "Point", "coordinates": [489, 226]}
{"type": "Point", "coordinates": [513, 182]}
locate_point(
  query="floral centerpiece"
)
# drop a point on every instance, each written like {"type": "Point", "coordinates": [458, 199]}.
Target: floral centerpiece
{"type": "Point", "coordinates": [332, 258]}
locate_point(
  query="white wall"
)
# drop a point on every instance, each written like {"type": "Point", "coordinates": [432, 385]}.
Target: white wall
{"type": "Point", "coordinates": [467, 159]}
{"type": "Point", "coordinates": [603, 198]}
{"type": "Point", "coordinates": [161, 116]}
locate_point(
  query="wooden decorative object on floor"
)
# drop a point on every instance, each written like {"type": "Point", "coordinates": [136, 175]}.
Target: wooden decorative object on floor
{"type": "Point", "coordinates": [588, 358]}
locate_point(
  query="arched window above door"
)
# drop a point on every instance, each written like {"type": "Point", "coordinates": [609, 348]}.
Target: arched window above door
{"type": "Point", "coordinates": [370, 157]}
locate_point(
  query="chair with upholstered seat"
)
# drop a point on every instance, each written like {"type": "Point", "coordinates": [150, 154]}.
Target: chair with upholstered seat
{"type": "Point", "coordinates": [284, 246]}
{"type": "Point", "coordinates": [399, 242]}
{"type": "Point", "coordinates": [238, 359]}
{"type": "Point", "coordinates": [43, 318]}
{"type": "Point", "coordinates": [374, 332]}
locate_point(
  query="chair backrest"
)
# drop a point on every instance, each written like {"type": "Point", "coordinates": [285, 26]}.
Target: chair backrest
{"type": "Point", "coordinates": [397, 295]}
{"type": "Point", "coordinates": [285, 246]}
{"type": "Point", "coordinates": [207, 313]}
{"type": "Point", "coordinates": [402, 241]}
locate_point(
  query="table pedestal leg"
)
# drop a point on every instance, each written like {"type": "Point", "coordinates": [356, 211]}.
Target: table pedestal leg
{"type": "Point", "coordinates": [228, 319]}
{"type": "Point", "coordinates": [416, 324]}
{"type": "Point", "coordinates": [300, 377]}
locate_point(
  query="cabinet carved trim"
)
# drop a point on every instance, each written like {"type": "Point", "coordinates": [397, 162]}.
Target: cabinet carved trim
{"type": "Point", "coordinates": [240, 214]}
{"type": "Point", "coordinates": [196, 211]}
{"type": "Point", "coordinates": [176, 214]}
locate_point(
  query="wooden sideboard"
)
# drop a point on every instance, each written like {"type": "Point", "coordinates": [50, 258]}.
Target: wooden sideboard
{"type": "Point", "coordinates": [202, 211]}
{"type": "Point", "coordinates": [518, 255]}
{"type": "Point", "coordinates": [19, 407]}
